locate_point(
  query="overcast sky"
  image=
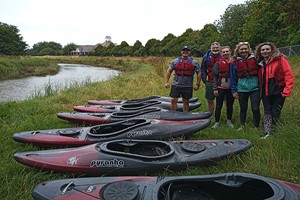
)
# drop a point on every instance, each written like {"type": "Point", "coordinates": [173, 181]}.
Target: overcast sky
{"type": "Point", "coordinates": [86, 22]}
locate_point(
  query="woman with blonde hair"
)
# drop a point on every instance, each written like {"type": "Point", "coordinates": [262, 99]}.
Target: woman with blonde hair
{"type": "Point", "coordinates": [276, 81]}
{"type": "Point", "coordinates": [244, 82]}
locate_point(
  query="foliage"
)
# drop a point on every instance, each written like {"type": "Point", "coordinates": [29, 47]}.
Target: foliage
{"type": "Point", "coordinates": [46, 48]}
{"type": "Point", "coordinates": [68, 48]}
{"type": "Point", "coordinates": [230, 25]}
{"type": "Point", "coordinates": [11, 42]}
{"type": "Point", "coordinates": [19, 67]}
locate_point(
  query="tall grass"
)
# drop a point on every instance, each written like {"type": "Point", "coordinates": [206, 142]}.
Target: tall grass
{"type": "Point", "coordinates": [18, 67]}
{"type": "Point", "coordinates": [277, 157]}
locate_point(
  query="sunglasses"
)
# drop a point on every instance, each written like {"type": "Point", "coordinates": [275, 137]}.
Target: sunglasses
{"type": "Point", "coordinates": [242, 43]}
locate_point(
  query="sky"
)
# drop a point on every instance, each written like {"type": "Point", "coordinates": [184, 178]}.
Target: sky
{"type": "Point", "coordinates": [88, 22]}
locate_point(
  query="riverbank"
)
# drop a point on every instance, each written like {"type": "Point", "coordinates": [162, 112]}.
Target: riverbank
{"type": "Point", "coordinates": [13, 67]}
{"type": "Point", "coordinates": [276, 157]}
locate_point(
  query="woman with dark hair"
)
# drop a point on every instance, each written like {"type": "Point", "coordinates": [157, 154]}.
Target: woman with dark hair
{"type": "Point", "coordinates": [276, 81]}
{"type": "Point", "coordinates": [244, 82]}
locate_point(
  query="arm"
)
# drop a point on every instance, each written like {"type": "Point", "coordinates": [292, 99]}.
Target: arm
{"type": "Point", "coordinates": [198, 72]}
{"type": "Point", "coordinates": [204, 69]}
{"type": "Point", "coordinates": [215, 73]}
{"type": "Point", "coordinates": [167, 77]}
{"type": "Point", "coordinates": [288, 78]}
{"type": "Point", "coordinates": [233, 80]}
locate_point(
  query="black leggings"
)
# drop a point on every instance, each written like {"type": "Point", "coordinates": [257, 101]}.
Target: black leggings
{"type": "Point", "coordinates": [219, 104]}
{"type": "Point", "coordinates": [273, 105]}
{"type": "Point", "coordinates": [255, 103]}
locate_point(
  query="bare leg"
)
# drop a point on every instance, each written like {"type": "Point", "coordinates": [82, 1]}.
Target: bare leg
{"type": "Point", "coordinates": [174, 104]}
{"type": "Point", "coordinates": [186, 105]}
{"type": "Point", "coordinates": [211, 106]}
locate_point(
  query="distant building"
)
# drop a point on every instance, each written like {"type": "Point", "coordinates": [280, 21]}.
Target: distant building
{"type": "Point", "coordinates": [83, 50]}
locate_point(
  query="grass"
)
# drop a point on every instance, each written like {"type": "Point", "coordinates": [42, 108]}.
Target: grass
{"type": "Point", "coordinates": [277, 157]}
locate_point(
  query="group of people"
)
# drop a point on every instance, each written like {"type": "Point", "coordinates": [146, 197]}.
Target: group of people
{"type": "Point", "coordinates": [264, 75]}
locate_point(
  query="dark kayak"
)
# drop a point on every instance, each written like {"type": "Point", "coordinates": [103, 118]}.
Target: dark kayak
{"type": "Point", "coordinates": [89, 118]}
{"type": "Point", "coordinates": [132, 106]}
{"type": "Point", "coordinates": [127, 129]}
{"type": "Point", "coordinates": [138, 100]}
{"type": "Point", "coordinates": [228, 186]}
{"type": "Point", "coordinates": [133, 156]}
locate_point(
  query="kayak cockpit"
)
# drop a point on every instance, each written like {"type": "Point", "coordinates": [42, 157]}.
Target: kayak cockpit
{"type": "Point", "coordinates": [138, 106]}
{"type": "Point", "coordinates": [135, 113]}
{"type": "Point", "coordinates": [214, 189]}
{"type": "Point", "coordinates": [116, 128]}
{"type": "Point", "coordinates": [144, 149]}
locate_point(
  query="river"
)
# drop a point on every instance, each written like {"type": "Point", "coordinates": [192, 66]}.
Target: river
{"type": "Point", "coordinates": [69, 74]}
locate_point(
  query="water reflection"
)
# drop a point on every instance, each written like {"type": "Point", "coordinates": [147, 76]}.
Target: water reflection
{"type": "Point", "coordinates": [69, 74]}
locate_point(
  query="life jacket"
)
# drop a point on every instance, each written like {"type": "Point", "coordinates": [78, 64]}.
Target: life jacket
{"type": "Point", "coordinates": [185, 68]}
{"type": "Point", "coordinates": [224, 66]}
{"type": "Point", "coordinates": [246, 67]}
{"type": "Point", "coordinates": [210, 64]}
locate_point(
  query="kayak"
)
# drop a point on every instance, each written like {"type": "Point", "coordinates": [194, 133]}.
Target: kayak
{"type": "Point", "coordinates": [227, 186]}
{"type": "Point", "coordinates": [136, 128]}
{"type": "Point", "coordinates": [148, 113]}
{"type": "Point", "coordinates": [133, 156]}
{"type": "Point", "coordinates": [138, 100]}
{"type": "Point", "coordinates": [132, 106]}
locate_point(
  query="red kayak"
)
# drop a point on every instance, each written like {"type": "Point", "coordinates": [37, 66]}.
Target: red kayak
{"type": "Point", "coordinates": [147, 129]}
{"type": "Point", "coordinates": [89, 118]}
{"type": "Point", "coordinates": [227, 186]}
{"type": "Point", "coordinates": [132, 107]}
{"type": "Point", "coordinates": [138, 100]}
{"type": "Point", "coordinates": [133, 156]}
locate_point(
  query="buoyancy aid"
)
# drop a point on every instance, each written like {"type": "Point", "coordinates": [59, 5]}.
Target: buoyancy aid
{"type": "Point", "coordinates": [210, 64]}
{"type": "Point", "coordinates": [224, 66]}
{"type": "Point", "coordinates": [246, 67]}
{"type": "Point", "coordinates": [185, 68]}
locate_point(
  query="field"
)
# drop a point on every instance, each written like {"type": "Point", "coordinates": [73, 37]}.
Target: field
{"type": "Point", "coordinates": [276, 157]}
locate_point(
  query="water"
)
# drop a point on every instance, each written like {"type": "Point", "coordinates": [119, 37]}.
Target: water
{"type": "Point", "coordinates": [69, 74]}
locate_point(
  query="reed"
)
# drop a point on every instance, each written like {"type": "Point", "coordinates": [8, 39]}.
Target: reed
{"type": "Point", "coordinates": [275, 157]}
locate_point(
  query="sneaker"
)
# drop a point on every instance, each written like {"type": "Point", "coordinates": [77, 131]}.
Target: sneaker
{"type": "Point", "coordinates": [241, 128]}
{"type": "Point", "coordinates": [229, 123]}
{"type": "Point", "coordinates": [266, 136]}
{"type": "Point", "coordinates": [216, 125]}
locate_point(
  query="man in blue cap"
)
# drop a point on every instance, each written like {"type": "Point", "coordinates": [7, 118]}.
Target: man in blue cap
{"type": "Point", "coordinates": [182, 86]}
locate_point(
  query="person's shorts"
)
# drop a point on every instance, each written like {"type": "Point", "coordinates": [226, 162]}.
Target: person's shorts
{"type": "Point", "coordinates": [209, 92]}
{"type": "Point", "coordinates": [184, 92]}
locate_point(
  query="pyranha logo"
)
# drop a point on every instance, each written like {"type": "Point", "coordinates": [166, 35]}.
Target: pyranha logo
{"type": "Point", "coordinates": [151, 116]}
{"type": "Point", "coordinates": [72, 161]}
{"type": "Point", "coordinates": [139, 133]}
{"type": "Point", "coordinates": [107, 163]}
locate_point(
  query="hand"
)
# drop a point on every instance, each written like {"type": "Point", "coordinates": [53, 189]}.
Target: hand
{"type": "Point", "coordinates": [167, 85]}
{"type": "Point", "coordinates": [196, 87]}
{"type": "Point", "coordinates": [235, 95]}
{"type": "Point", "coordinates": [216, 93]}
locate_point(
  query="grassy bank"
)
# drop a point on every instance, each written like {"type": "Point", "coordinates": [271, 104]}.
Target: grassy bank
{"type": "Point", "coordinates": [276, 157]}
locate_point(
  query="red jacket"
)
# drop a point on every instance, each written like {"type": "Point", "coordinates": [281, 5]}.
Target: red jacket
{"type": "Point", "coordinates": [280, 70]}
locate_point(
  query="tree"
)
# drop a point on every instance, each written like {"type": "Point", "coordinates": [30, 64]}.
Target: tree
{"type": "Point", "coordinates": [230, 25]}
{"type": "Point", "coordinates": [38, 47]}
{"type": "Point", "coordinates": [11, 42]}
{"type": "Point", "coordinates": [206, 36]}
{"type": "Point", "coordinates": [68, 48]}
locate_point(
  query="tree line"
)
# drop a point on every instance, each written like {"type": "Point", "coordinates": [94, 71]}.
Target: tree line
{"type": "Point", "coordinates": [254, 21]}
